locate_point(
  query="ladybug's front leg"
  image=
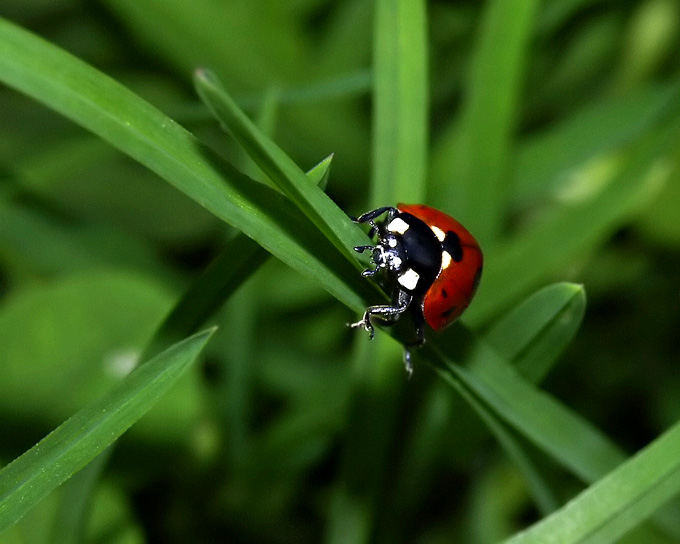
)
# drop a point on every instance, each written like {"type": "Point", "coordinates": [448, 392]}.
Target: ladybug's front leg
{"type": "Point", "coordinates": [368, 217]}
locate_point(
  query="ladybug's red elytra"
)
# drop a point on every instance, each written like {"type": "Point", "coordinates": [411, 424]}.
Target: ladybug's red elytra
{"type": "Point", "coordinates": [433, 265]}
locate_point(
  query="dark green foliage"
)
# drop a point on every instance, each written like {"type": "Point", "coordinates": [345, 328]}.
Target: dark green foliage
{"type": "Point", "coordinates": [129, 221]}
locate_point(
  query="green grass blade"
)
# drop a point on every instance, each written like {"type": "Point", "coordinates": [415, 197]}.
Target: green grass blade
{"type": "Point", "coordinates": [75, 502]}
{"type": "Point", "coordinates": [618, 502]}
{"type": "Point", "coordinates": [77, 91]}
{"type": "Point", "coordinates": [400, 98]}
{"type": "Point", "coordinates": [400, 145]}
{"type": "Point", "coordinates": [29, 478]}
{"type": "Point", "coordinates": [535, 333]}
{"type": "Point", "coordinates": [234, 265]}
{"type": "Point", "coordinates": [545, 160]}
{"type": "Point", "coordinates": [572, 230]}
{"type": "Point", "coordinates": [530, 336]}
{"type": "Point", "coordinates": [514, 448]}
{"type": "Point", "coordinates": [264, 43]}
{"type": "Point", "coordinates": [561, 433]}
{"type": "Point", "coordinates": [312, 201]}
{"type": "Point", "coordinates": [476, 151]}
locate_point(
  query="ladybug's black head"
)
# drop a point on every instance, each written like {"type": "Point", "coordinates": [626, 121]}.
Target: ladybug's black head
{"type": "Point", "coordinates": [389, 253]}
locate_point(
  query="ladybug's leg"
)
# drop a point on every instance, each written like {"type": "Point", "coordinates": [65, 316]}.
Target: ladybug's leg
{"type": "Point", "coordinates": [368, 217]}
{"type": "Point", "coordinates": [408, 364]}
{"type": "Point", "coordinates": [385, 312]}
{"type": "Point", "coordinates": [419, 323]}
{"type": "Point", "coordinates": [378, 257]}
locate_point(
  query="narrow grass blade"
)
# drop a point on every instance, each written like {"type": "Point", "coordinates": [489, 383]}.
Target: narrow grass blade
{"type": "Point", "coordinates": [76, 90]}
{"type": "Point", "coordinates": [239, 259]}
{"type": "Point", "coordinates": [75, 502]}
{"type": "Point", "coordinates": [571, 231]}
{"type": "Point", "coordinates": [400, 98]}
{"type": "Point", "coordinates": [280, 168]}
{"type": "Point", "coordinates": [400, 145]}
{"type": "Point", "coordinates": [234, 265]}
{"type": "Point", "coordinates": [545, 160]}
{"type": "Point", "coordinates": [618, 502]}
{"type": "Point", "coordinates": [525, 336]}
{"type": "Point", "coordinates": [471, 160]}
{"type": "Point", "coordinates": [515, 449]}
{"type": "Point", "coordinates": [564, 435]}
{"type": "Point", "coordinates": [81, 438]}
{"type": "Point", "coordinates": [534, 334]}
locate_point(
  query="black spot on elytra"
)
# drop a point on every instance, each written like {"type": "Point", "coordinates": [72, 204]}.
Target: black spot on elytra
{"type": "Point", "coordinates": [444, 293]}
{"type": "Point", "coordinates": [448, 312]}
{"type": "Point", "coordinates": [452, 245]}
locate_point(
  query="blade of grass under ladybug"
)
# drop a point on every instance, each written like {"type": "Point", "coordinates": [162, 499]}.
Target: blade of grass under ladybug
{"type": "Point", "coordinates": [280, 168]}
{"type": "Point", "coordinates": [91, 99]}
{"type": "Point", "coordinates": [522, 337]}
{"type": "Point", "coordinates": [558, 431]}
{"type": "Point", "coordinates": [565, 436]}
{"type": "Point", "coordinates": [234, 265]}
{"type": "Point", "coordinates": [67, 449]}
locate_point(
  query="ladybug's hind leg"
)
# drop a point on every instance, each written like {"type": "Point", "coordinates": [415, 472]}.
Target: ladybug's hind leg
{"type": "Point", "coordinates": [384, 312]}
{"type": "Point", "coordinates": [419, 323]}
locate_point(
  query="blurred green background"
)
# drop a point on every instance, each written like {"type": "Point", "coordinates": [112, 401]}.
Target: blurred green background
{"type": "Point", "coordinates": [255, 444]}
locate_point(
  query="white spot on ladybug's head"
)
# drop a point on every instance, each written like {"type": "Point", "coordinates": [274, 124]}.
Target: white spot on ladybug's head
{"type": "Point", "coordinates": [439, 233]}
{"type": "Point", "coordinates": [446, 259]}
{"type": "Point", "coordinates": [398, 226]}
{"type": "Point", "coordinates": [392, 242]}
{"type": "Point", "coordinates": [409, 279]}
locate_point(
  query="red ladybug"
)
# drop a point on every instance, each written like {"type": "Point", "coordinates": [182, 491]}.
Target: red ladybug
{"type": "Point", "coordinates": [433, 267]}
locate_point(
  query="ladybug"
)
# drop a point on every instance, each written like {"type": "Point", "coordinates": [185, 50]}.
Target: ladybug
{"type": "Point", "coordinates": [433, 266]}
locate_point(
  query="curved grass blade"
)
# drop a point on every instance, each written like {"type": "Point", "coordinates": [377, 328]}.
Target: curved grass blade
{"type": "Point", "coordinates": [310, 200]}
{"type": "Point", "coordinates": [234, 265]}
{"type": "Point", "coordinates": [72, 445]}
{"type": "Point", "coordinates": [524, 334]}
{"type": "Point", "coordinates": [618, 502]}
{"type": "Point", "coordinates": [564, 435]}
{"type": "Point", "coordinates": [572, 231]}
{"type": "Point", "coordinates": [76, 90]}
{"type": "Point", "coordinates": [534, 334]}
{"type": "Point", "coordinates": [602, 128]}
{"type": "Point", "coordinates": [516, 449]}
{"type": "Point", "coordinates": [524, 337]}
